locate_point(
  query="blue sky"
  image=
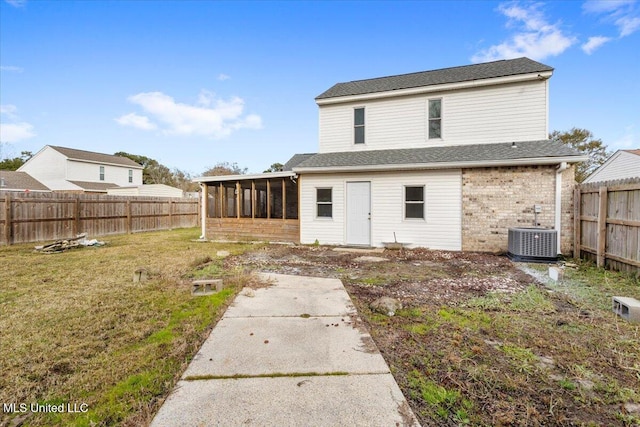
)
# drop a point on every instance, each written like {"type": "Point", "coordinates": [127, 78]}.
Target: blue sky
{"type": "Point", "coordinates": [194, 83]}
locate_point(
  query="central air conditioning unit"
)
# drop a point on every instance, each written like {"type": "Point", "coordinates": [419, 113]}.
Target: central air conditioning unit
{"type": "Point", "coordinates": [533, 245]}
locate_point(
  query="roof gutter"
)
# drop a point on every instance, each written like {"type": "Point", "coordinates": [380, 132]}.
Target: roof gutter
{"type": "Point", "coordinates": [544, 75]}
{"type": "Point", "coordinates": [444, 165]}
{"type": "Point", "coordinates": [219, 178]}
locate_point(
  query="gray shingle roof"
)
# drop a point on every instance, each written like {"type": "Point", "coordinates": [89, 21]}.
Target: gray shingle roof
{"type": "Point", "coordinates": [465, 73]}
{"type": "Point", "coordinates": [72, 153]}
{"type": "Point", "coordinates": [12, 180]}
{"type": "Point", "coordinates": [95, 186]}
{"type": "Point", "coordinates": [431, 156]}
{"type": "Point", "coordinates": [296, 160]}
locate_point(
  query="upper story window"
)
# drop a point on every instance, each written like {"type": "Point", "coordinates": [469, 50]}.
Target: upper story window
{"type": "Point", "coordinates": [101, 173]}
{"type": "Point", "coordinates": [358, 126]}
{"type": "Point", "coordinates": [435, 118]}
{"type": "Point", "coordinates": [324, 202]}
{"type": "Point", "coordinates": [130, 175]}
{"type": "Point", "coordinates": [414, 202]}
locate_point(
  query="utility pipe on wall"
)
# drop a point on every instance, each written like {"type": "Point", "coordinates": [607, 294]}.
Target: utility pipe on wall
{"type": "Point", "coordinates": [561, 168]}
{"type": "Point", "coordinates": [203, 210]}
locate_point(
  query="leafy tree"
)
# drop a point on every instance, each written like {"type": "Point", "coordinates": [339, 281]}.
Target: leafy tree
{"type": "Point", "coordinates": [583, 141]}
{"type": "Point", "coordinates": [13, 164]}
{"type": "Point", "coordinates": [225, 168]}
{"type": "Point", "coordinates": [276, 167]}
{"type": "Point", "coordinates": [183, 180]}
{"type": "Point", "coordinates": [153, 172]}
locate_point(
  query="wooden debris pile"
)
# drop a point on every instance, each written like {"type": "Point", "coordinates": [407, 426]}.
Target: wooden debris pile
{"type": "Point", "coordinates": [65, 244]}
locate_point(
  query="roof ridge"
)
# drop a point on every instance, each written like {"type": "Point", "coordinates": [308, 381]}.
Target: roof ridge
{"type": "Point", "coordinates": [440, 76]}
{"type": "Point", "coordinates": [86, 151]}
{"type": "Point", "coordinates": [434, 70]}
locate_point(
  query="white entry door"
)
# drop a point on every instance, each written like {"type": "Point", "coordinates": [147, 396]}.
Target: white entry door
{"type": "Point", "coordinates": [359, 213]}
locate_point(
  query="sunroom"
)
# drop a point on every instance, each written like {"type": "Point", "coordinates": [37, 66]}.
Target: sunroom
{"type": "Point", "coordinates": [250, 207]}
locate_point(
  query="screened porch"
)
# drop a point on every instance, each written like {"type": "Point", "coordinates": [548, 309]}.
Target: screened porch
{"type": "Point", "coordinates": [251, 207]}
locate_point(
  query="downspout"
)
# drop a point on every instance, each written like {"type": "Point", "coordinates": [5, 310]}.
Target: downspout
{"type": "Point", "coordinates": [561, 168]}
{"type": "Point", "coordinates": [203, 211]}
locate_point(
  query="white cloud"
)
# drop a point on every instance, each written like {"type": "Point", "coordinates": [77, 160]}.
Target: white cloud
{"type": "Point", "coordinates": [9, 110]}
{"type": "Point", "coordinates": [16, 3]}
{"type": "Point", "coordinates": [223, 77]}
{"type": "Point", "coordinates": [535, 37]}
{"type": "Point", "coordinates": [210, 117]}
{"type": "Point", "coordinates": [11, 68]}
{"type": "Point", "coordinates": [205, 98]}
{"type": "Point", "coordinates": [628, 25]}
{"type": "Point", "coordinates": [15, 130]}
{"type": "Point", "coordinates": [594, 43]}
{"type": "Point", "coordinates": [136, 121]}
{"type": "Point", "coordinates": [604, 6]}
{"type": "Point", "coordinates": [623, 14]}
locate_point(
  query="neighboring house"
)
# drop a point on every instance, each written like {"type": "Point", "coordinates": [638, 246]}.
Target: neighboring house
{"type": "Point", "coordinates": [71, 170]}
{"type": "Point", "coordinates": [20, 181]}
{"type": "Point", "coordinates": [621, 165]}
{"type": "Point", "coordinates": [445, 159]}
{"type": "Point", "coordinates": [147, 190]}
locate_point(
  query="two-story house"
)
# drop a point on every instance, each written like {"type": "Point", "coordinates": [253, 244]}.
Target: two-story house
{"type": "Point", "coordinates": [71, 170]}
{"type": "Point", "coordinates": [444, 159]}
{"type": "Point", "coordinates": [623, 164]}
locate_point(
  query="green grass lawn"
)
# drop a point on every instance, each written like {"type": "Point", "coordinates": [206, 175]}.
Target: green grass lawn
{"type": "Point", "coordinates": [76, 329]}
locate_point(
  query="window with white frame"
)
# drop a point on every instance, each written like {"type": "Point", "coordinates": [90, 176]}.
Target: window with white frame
{"type": "Point", "coordinates": [414, 202]}
{"type": "Point", "coordinates": [101, 173]}
{"type": "Point", "coordinates": [358, 125]}
{"type": "Point", "coordinates": [435, 118]}
{"type": "Point", "coordinates": [324, 203]}
{"type": "Point", "coordinates": [130, 175]}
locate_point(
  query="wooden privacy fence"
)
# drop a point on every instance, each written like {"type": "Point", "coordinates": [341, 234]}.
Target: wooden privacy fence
{"type": "Point", "coordinates": [607, 224]}
{"type": "Point", "coordinates": [33, 217]}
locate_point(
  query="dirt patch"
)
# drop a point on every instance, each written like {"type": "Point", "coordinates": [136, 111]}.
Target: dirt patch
{"type": "Point", "coordinates": [479, 341]}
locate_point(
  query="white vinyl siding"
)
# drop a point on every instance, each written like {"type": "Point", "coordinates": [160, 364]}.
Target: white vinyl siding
{"type": "Point", "coordinates": [486, 115]}
{"type": "Point", "coordinates": [440, 229]}
{"type": "Point", "coordinates": [621, 165]}
{"type": "Point", "coordinates": [90, 172]}
{"type": "Point", "coordinates": [149, 190]}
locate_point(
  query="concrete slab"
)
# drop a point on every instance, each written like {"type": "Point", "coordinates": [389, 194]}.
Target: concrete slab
{"type": "Point", "coordinates": [360, 250]}
{"type": "Point", "coordinates": [281, 360]}
{"type": "Point", "coordinates": [371, 259]}
{"type": "Point", "coordinates": [302, 401]}
{"type": "Point", "coordinates": [291, 302]}
{"type": "Point", "coordinates": [300, 282]}
{"type": "Point", "coordinates": [293, 296]}
{"type": "Point", "coordinates": [258, 346]}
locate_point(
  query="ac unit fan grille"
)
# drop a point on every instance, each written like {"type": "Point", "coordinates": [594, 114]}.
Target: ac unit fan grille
{"type": "Point", "coordinates": [532, 244]}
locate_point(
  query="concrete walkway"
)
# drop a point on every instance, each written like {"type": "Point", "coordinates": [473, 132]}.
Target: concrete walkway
{"type": "Point", "coordinates": [292, 354]}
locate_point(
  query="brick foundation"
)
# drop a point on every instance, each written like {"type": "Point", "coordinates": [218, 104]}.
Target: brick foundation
{"type": "Point", "coordinates": [495, 199]}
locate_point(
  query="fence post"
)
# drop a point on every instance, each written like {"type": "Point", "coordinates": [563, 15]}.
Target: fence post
{"type": "Point", "coordinates": [577, 222]}
{"type": "Point", "coordinates": [128, 216]}
{"type": "Point", "coordinates": [602, 226]}
{"type": "Point", "coordinates": [7, 217]}
{"type": "Point", "coordinates": [170, 214]}
{"type": "Point", "coordinates": [76, 217]}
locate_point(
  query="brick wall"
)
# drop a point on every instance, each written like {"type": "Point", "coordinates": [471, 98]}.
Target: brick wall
{"type": "Point", "coordinates": [494, 199]}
